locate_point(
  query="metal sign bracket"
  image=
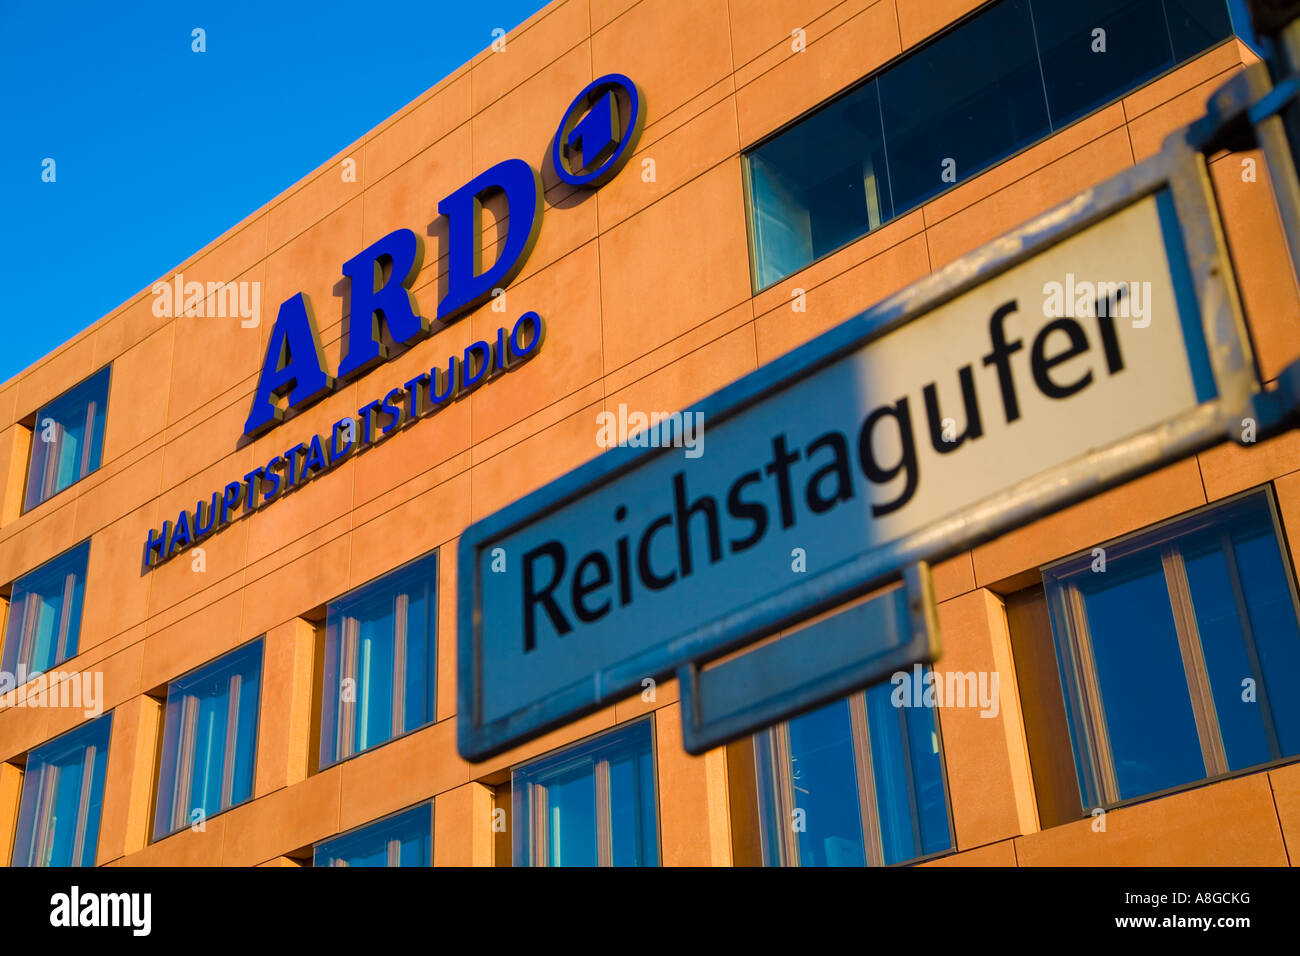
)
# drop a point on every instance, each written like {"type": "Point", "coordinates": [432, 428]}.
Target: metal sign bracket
{"type": "Point", "coordinates": [850, 649]}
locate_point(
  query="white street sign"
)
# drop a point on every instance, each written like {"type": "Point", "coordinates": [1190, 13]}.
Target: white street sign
{"type": "Point", "coordinates": [1098, 341]}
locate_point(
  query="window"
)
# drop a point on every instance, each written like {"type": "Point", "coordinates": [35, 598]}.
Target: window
{"type": "Point", "coordinates": [380, 661]}
{"type": "Point", "coordinates": [67, 439]}
{"type": "Point", "coordinates": [1094, 52]}
{"type": "Point", "coordinates": [1196, 25]}
{"type": "Point", "coordinates": [44, 624]}
{"type": "Point", "coordinates": [63, 794]}
{"type": "Point", "coordinates": [209, 740]}
{"type": "Point", "coordinates": [957, 107]}
{"type": "Point", "coordinates": [1178, 652]}
{"type": "Point", "coordinates": [999, 81]}
{"type": "Point", "coordinates": [405, 839]}
{"type": "Point", "coordinates": [859, 782]}
{"type": "Point", "coordinates": [820, 190]}
{"type": "Point", "coordinates": [592, 804]}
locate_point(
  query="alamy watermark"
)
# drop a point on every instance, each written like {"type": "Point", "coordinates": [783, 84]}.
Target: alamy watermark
{"type": "Point", "coordinates": [84, 689]}
{"type": "Point", "coordinates": [928, 688]}
{"type": "Point", "coordinates": [651, 430]}
{"type": "Point", "coordinates": [133, 911]}
{"type": "Point", "coordinates": [1081, 298]}
{"type": "Point", "coordinates": [222, 300]}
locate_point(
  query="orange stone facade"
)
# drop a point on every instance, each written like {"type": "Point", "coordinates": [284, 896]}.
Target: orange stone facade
{"type": "Point", "coordinates": [646, 290]}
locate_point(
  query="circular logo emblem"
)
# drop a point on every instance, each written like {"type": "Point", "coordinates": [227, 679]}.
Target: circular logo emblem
{"type": "Point", "coordinates": [599, 131]}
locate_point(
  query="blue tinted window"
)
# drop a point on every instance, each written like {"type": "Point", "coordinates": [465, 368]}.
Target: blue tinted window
{"type": "Point", "coordinates": [1224, 647]}
{"type": "Point", "coordinates": [1144, 692]}
{"type": "Point", "coordinates": [1199, 611]}
{"type": "Point", "coordinates": [44, 626]}
{"type": "Point", "coordinates": [633, 826]}
{"type": "Point", "coordinates": [67, 439]}
{"type": "Point", "coordinates": [910, 797]}
{"type": "Point", "coordinates": [1093, 52]}
{"type": "Point", "coordinates": [1196, 25]}
{"type": "Point", "coordinates": [825, 785]}
{"type": "Point", "coordinates": [989, 87]}
{"type": "Point", "coordinates": [405, 839]}
{"type": "Point", "coordinates": [816, 191]}
{"type": "Point", "coordinates": [380, 661]}
{"type": "Point", "coordinates": [814, 772]}
{"type": "Point", "coordinates": [1265, 578]}
{"type": "Point", "coordinates": [589, 805]}
{"type": "Point", "coordinates": [209, 740]}
{"type": "Point", "coordinates": [63, 794]}
{"type": "Point", "coordinates": [959, 105]}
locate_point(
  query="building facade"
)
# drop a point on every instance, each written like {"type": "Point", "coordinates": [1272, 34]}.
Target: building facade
{"type": "Point", "coordinates": [275, 684]}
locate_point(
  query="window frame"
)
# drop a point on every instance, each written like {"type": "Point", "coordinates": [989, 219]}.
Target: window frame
{"type": "Point", "coordinates": [901, 213]}
{"type": "Point", "coordinates": [195, 672]}
{"type": "Point", "coordinates": [325, 759]}
{"type": "Point", "coordinates": [427, 805]}
{"type": "Point", "coordinates": [1244, 28]}
{"type": "Point", "coordinates": [1081, 690]}
{"type": "Point", "coordinates": [12, 606]}
{"type": "Point", "coordinates": [107, 372]}
{"type": "Point", "coordinates": [555, 762]}
{"type": "Point", "coordinates": [84, 728]}
{"type": "Point", "coordinates": [773, 757]}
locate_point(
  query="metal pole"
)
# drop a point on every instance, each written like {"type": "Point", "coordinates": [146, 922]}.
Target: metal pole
{"type": "Point", "coordinates": [1277, 24]}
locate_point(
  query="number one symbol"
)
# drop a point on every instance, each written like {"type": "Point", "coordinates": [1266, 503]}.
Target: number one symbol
{"type": "Point", "coordinates": [595, 135]}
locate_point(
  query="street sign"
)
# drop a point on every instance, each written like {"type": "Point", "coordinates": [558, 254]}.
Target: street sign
{"type": "Point", "coordinates": [1099, 341]}
{"type": "Point", "coordinates": [818, 663]}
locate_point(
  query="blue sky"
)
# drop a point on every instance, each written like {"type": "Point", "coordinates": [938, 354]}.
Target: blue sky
{"type": "Point", "coordinates": [159, 149]}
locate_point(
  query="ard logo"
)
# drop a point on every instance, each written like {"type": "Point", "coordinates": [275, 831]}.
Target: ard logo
{"type": "Point", "coordinates": [594, 140]}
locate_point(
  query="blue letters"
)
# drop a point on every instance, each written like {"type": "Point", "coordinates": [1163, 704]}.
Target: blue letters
{"type": "Point", "coordinates": [201, 527]}
{"type": "Point", "coordinates": [528, 319]}
{"type": "Point", "coordinates": [315, 459]}
{"type": "Point", "coordinates": [155, 548]}
{"type": "Point", "coordinates": [466, 286]}
{"type": "Point", "coordinates": [374, 299]}
{"type": "Point", "coordinates": [393, 412]}
{"type": "Point", "coordinates": [272, 478]}
{"type": "Point", "coordinates": [348, 428]}
{"type": "Point", "coordinates": [180, 534]}
{"type": "Point", "coordinates": [475, 364]}
{"type": "Point", "coordinates": [294, 366]}
{"type": "Point", "coordinates": [482, 361]}
{"type": "Point", "coordinates": [229, 499]}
